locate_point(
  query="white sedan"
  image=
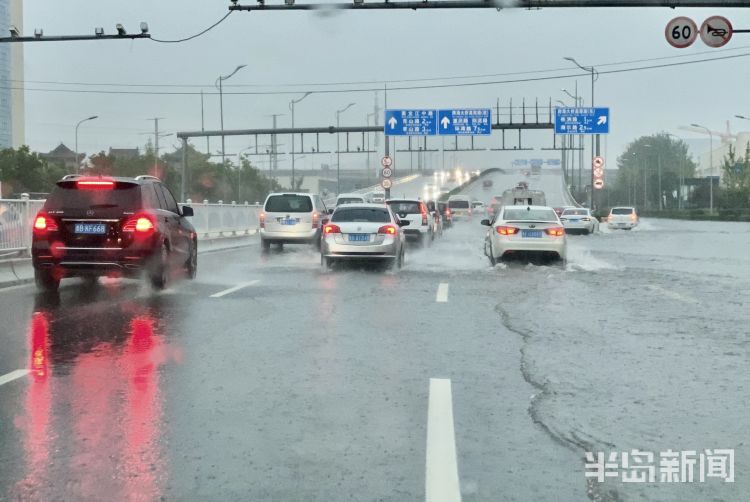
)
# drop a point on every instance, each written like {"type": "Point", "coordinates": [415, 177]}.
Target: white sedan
{"type": "Point", "coordinates": [579, 220]}
{"type": "Point", "coordinates": [526, 232]}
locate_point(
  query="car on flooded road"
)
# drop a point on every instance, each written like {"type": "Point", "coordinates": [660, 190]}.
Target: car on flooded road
{"type": "Point", "coordinates": [117, 227]}
{"type": "Point", "coordinates": [579, 220]}
{"type": "Point", "coordinates": [364, 232]}
{"type": "Point", "coordinates": [291, 218]}
{"type": "Point", "coordinates": [531, 232]}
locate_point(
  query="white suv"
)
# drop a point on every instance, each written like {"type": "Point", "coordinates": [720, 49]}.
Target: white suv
{"type": "Point", "coordinates": [622, 217]}
{"type": "Point", "coordinates": [292, 218]}
{"type": "Point", "coordinates": [420, 227]}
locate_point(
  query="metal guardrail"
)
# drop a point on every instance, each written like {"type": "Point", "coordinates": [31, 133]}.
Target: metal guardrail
{"type": "Point", "coordinates": [16, 219]}
{"type": "Point", "coordinates": [211, 221]}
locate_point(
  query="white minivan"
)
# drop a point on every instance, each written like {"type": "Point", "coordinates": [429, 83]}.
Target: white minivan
{"type": "Point", "coordinates": [291, 218]}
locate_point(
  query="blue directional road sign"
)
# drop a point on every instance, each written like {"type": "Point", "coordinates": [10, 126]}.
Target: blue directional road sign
{"type": "Point", "coordinates": [465, 122]}
{"type": "Point", "coordinates": [410, 122]}
{"type": "Point", "coordinates": [581, 120]}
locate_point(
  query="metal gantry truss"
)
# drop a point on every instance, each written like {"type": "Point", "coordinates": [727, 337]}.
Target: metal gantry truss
{"type": "Point", "coordinates": [499, 5]}
{"type": "Point", "coordinates": [510, 120]}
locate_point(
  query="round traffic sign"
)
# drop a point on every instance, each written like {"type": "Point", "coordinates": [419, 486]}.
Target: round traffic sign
{"type": "Point", "coordinates": [598, 162]}
{"type": "Point", "coordinates": [716, 31]}
{"type": "Point", "coordinates": [598, 184]}
{"type": "Point", "coordinates": [681, 32]}
{"type": "Point", "coordinates": [387, 172]}
{"type": "Point", "coordinates": [386, 183]}
{"type": "Point", "coordinates": [598, 172]}
{"type": "Point", "coordinates": [386, 161]}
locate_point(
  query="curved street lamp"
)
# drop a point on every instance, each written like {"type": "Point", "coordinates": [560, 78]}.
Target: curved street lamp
{"type": "Point", "coordinates": [78, 162]}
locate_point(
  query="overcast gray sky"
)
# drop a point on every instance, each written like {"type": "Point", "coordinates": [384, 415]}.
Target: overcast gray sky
{"type": "Point", "coordinates": [283, 48]}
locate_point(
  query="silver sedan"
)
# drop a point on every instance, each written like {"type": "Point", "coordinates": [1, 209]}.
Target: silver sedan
{"type": "Point", "coordinates": [363, 232]}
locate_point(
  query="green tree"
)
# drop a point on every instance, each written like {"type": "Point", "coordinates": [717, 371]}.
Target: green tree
{"type": "Point", "coordinates": [736, 180]}
{"type": "Point", "coordinates": [22, 170]}
{"type": "Point", "coordinates": [640, 166]}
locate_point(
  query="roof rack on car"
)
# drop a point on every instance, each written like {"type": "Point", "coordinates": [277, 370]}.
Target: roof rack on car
{"type": "Point", "coordinates": [71, 177]}
{"type": "Point", "coordinates": [146, 177]}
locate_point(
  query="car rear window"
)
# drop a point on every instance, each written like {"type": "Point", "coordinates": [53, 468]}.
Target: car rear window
{"type": "Point", "coordinates": [123, 196]}
{"type": "Point", "coordinates": [530, 215]}
{"type": "Point", "coordinates": [289, 204]}
{"type": "Point", "coordinates": [458, 204]}
{"type": "Point", "coordinates": [361, 214]}
{"type": "Point", "coordinates": [405, 207]}
{"type": "Point", "coordinates": [575, 212]}
{"type": "Point", "coordinates": [622, 210]}
{"type": "Point", "coordinates": [349, 200]}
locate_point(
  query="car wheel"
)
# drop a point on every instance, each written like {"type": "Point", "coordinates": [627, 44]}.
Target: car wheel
{"type": "Point", "coordinates": [46, 280]}
{"type": "Point", "coordinates": [280, 246]}
{"type": "Point", "coordinates": [265, 245]}
{"type": "Point", "coordinates": [400, 260]}
{"type": "Point", "coordinates": [159, 268]}
{"type": "Point", "coordinates": [490, 255]}
{"type": "Point", "coordinates": [586, 232]}
{"type": "Point", "coordinates": [191, 266]}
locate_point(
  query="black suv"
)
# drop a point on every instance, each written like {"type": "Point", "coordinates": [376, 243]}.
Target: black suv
{"type": "Point", "coordinates": [97, 226]}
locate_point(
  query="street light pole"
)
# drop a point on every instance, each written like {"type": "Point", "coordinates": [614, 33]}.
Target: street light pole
{"type": "Point", "coordinates": [291, 108]}
{"type": "Point", "coordinates": [710, 167]}
{"type": "Point", "coordinates": [78, 162]}
{"type": "Point", "coordinates": [594, 152]}
{"type": "Point", "coordinates": [338, 147]}
{"type": "Point", "coordinates": [220, 80]}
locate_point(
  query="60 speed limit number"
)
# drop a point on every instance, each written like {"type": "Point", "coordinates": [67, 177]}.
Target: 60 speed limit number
{"type": "Point", "coordinates": [681, 32]}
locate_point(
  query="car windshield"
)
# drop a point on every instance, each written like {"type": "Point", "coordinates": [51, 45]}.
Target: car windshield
{"type": "Point", "coordinates": [349, 200]}
{"type": "Point", "coordinates": [289, 203]}
{"type": "Point", "coordinates": [529, 215]}
{"type": "Point", "coordinates": [458, 204]}
{"type": "Point", "coordinates": [575, 212]}
{"type": "Point", "coordinates": [407, 207]}
{"type": "Point", "coordinates": [622, 210]}
{"type": "Point", "coordinates": [70, 198]}
{"type": "Point", "coordinates": [361, 215]}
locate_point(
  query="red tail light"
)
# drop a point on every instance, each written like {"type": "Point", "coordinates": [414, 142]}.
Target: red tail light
{"type": "Point", "coordinates": [555, 231]}
{"type": "Point", "coordinates": [95, 184]}
{"type": "Point", "coordinates": [388, 230]}
{"type": "Point", "coordinates": [44, 224]}
{"type": "Point", "coordinates": [503, 230]}
{"type": "Point", "coordinates": [447, 211]}
{"type": "Point", "coordinates": [331, 229]}
{"type": "Point", "coordinates": [315, 219]}
{"type": "Point", "coordinates": [262, 220]}
{"type": "Point", "coordinates": [141, 225]}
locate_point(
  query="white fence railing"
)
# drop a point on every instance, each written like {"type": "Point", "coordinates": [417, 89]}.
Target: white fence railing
{"type": "Point", "coordinates": [16, 219]}
{"type": "Point", "coordinates": [211, 221]}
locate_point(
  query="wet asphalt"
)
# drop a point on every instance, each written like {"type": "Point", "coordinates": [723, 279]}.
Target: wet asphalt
{"type": "Point", "coordinates": [269, 378]}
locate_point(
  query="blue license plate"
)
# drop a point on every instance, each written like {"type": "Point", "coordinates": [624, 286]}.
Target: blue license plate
{"type": "Point", "coordinates": [288, 221]}
{"type": "Point", "coordinates": [359, 237]}
{"type": "Point", "coordinates": [534, 234]}
{"type": "Point", "coordinates": [90, 228]}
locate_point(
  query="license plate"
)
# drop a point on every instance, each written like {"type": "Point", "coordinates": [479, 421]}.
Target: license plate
{"type": "Point", "coordinates": [359, 237]}
{"type": "Point", "coordinates": [535, 234]}
{"type": "Point", "coordinates": [288, 221]}
{"type": "Point", "coordinates": [90, 228]}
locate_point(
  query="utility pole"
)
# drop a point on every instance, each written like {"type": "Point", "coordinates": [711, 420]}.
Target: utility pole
{"type": "Point", "coordinates": [291, 108]}
{"type": "Point", "coordinates": [203, 127]}
{"type": "Point", "coordinates": [156, 143]}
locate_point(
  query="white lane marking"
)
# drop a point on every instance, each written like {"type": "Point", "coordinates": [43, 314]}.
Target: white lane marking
{"type": "Point", "coordinates": [442, 293]}
{"type": "Point", "coordinates": [235, 288]}
{"type": "Point", "coordinates": [441, 469]}
{"type": "Point", "coordinates": [13, 375]}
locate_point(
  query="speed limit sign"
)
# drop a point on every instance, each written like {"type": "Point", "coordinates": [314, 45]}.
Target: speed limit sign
{"type": "Point", "coordinates": [387, 172]}
{"type": "Point", "coordinates": [681, 32]}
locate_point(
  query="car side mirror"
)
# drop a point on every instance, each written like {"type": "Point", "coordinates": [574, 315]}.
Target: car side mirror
{"type": "Point", "coordinates": [403, 223]}
{"type": "Point", "coordinates": [330, 211]}
{"type": "Point", "coordinates": [187, 211]}
{"type": "Point", "coordinates": [486, 223]}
